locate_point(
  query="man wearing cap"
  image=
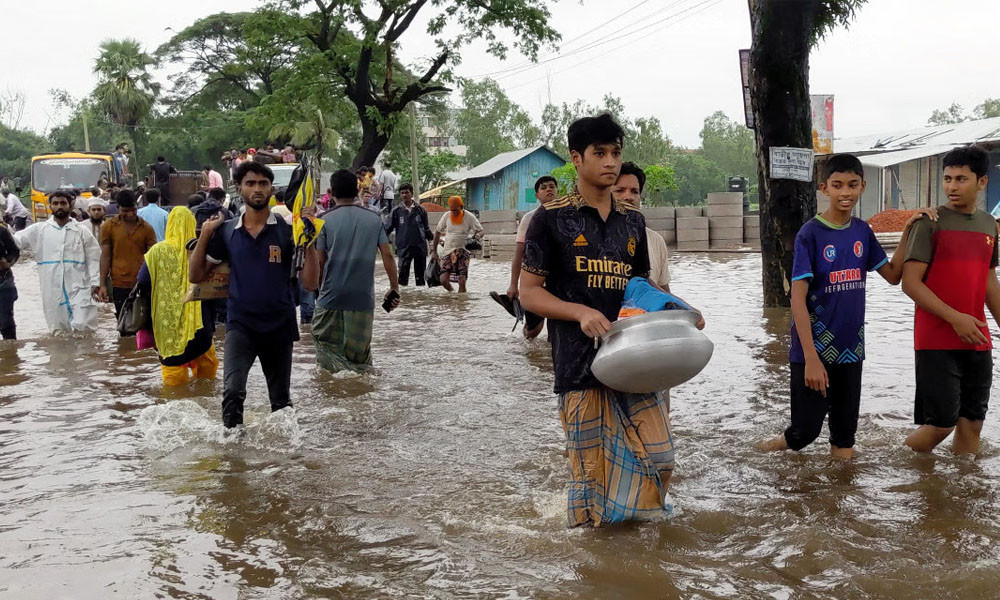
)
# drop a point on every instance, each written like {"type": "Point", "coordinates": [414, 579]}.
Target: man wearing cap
{"type": "Point", "coordinates": [457, 226]}
{"type": "Point", "coordinates": [96, 207]}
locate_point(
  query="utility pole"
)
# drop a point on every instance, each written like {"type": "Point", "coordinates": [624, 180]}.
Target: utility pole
{"type": "Point", "coordinates": [86, 134]}
{"type": "Point", "coordinates": [413, 152]}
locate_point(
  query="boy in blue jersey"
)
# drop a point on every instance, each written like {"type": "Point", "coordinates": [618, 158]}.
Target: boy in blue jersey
{"type": "Point", "coordinates": [833, 254]}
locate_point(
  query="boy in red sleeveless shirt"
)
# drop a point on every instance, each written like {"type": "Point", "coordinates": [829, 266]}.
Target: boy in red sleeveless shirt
{"type": "Point", "coordinates": [950, 275]}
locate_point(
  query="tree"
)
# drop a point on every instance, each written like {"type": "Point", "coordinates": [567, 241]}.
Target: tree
{"type": "Point", "coordinates": [125, 90]}
{"type": "Point", "coordinates": [953, 114]}
{"type": "Point", "coordinates": [232, 60]}
{"type": "Point", "coordinates": [783, 33]}
{"type": "Point", "coordinates": [16, 149]}
{"type": "Point", "coordinates": [12, 108]}
{"type": "Point", "coordinates": [358, 42]}
{"type": "Point", "coordinates": [310, 132]}
{"type": "Point", "coordinates": [694, 176]}
{"type": "Point", "coordinates": [490, 123]}
{"type": "Point", "coordinates": [645, 141]}
{"type": "Point", "coordinates": [988, 109]}
{"type": "Point", "coordinates": [730, 145]}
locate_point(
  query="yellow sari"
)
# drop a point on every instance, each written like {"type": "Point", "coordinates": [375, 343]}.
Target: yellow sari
{"type": "Point", "coordinates": [174, 321]}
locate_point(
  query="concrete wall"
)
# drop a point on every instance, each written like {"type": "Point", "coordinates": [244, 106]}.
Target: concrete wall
{"type": "Point", "coordinates": [720, 225]}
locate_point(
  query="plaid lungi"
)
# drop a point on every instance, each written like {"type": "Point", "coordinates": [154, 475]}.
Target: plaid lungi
{"type": "Point", "coordinates": [621, 452]}
{"type": "Point", "coordinates": [343, 339]}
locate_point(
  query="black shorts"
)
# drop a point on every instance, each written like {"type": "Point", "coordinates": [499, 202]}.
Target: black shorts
{"type": "Point", "coordinates": [952, 384]}
{"type": "Point", "coordinates": [531, 320]}
{"type": "Point", "coordinates": [809, 408]}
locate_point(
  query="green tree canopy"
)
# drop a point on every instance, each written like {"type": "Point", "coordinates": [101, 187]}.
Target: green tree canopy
{"type": "Point", "coordinates": [358, 45]}
{"type": "Point", "coordinates": [490, 123]}
{"type": "Point", "coordinates": [988, 109]}
{"type": "Point", "coordinates": [125, 90]}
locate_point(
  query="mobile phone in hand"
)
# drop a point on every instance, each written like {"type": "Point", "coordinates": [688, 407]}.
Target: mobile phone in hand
{"type": "Point", "coordinates": [387, 303]}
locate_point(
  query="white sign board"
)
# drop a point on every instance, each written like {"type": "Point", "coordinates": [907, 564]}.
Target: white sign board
{"type": "Point", "coordinates": [791, 163]}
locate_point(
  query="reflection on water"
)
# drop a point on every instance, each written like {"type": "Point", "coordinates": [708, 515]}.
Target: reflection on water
{"type": "Point", "coordinates": [441, 473]}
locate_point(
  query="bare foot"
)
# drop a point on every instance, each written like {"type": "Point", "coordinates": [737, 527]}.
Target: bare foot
{"type": "Point", "coordinates": [774, 445]}
{"type": "Point", "coordinates": [841, 453]}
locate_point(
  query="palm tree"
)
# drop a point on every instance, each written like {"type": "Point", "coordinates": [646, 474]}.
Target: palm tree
{"type": "Point", "coordinates": [311, 132]}
{"type": "Point", "coordinates": [125, 91]}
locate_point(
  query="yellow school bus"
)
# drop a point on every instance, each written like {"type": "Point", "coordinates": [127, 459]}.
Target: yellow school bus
{"type": "Point", "coordinates": [67, 170]}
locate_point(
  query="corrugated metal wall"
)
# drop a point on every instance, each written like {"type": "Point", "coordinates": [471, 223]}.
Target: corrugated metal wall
{"type": "Point", "coordinates": [513, 188]}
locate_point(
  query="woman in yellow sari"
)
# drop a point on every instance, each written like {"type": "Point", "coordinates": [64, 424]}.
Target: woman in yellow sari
{"type": "Point", "coordinates": [183, 331]}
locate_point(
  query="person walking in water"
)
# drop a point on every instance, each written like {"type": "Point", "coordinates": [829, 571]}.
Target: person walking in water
{"type": "Point", "coordinates": [183, 330]}
{"type": "Point", "coordinates": [456, 226]}
{"type": "Point", "coordinates": [9, 253]}
{"type": "Point", "coordinates": [409, 221]}
{"type": "Point", "coordinates": [342, 322]}
{"type": "Point", "coordinates": [620, 446]}
{"type": "Point", "coordinates": [260, 321]}
{"type": "Point", "coordinates": [125, 238]}
{"type": "Point", "coordinates": [69, 267]}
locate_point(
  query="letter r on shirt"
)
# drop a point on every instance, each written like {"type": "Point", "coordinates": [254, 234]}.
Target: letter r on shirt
{"type": "Point", "coordinates": [275, 254]}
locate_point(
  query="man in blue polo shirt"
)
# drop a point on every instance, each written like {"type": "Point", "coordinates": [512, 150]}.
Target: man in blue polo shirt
{"type": "Point", "coordinates": [261, 306]}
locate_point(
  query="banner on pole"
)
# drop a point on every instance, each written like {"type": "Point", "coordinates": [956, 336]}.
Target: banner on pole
{"type": "Point", "coordinates": [822, 123]}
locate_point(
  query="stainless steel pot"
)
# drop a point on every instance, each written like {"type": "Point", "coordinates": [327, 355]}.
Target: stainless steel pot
{"type": "Point", "coordinates": [652, 352]}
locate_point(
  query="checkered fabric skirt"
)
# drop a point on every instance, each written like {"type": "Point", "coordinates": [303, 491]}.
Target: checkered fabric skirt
{"type": "Point", "coordinates": [343, 339]}
{"type": "Point", "coordinates": [621, 453]}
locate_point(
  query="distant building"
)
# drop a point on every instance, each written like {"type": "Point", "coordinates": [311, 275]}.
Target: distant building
{"type": "Point", "coordinates": [436, 140]}
{"type": "Point", "coordinates": [903, 169]}
{"type": "Point", "coordinates": [507, 181]}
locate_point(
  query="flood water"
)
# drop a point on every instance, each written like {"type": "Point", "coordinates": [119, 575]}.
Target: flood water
{"type": "Point", "coordinates": [441, 475]}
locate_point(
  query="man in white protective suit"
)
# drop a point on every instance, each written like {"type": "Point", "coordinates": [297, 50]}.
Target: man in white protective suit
{"type": "Point", "coordinates": [69, 267]}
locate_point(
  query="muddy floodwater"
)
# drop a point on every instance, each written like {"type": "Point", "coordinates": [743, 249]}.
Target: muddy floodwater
{"type": "Point", "coordinates": [441, 475]}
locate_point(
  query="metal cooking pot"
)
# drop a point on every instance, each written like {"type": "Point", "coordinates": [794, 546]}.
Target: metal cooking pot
{"type": "Point", "coordinates": [652, 352]}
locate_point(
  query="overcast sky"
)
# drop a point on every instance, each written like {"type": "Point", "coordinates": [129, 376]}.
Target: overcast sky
{"type": "Point", "coordinates": [673, 59]}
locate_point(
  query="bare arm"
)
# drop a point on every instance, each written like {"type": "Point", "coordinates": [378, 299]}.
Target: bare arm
{"type": "Point", "coordinates": [966, 326]}
{"type": "Point", "coordinates": [390, 265]}
{"type": "Point", "coordinates": [993, 295]}
{"type": "Point", "coordinates": [816, 375]}
{"type": "Point", "coordinates": [892, 271]}
{"type": "Point", "coordinates": [198, 266]}
{"type": "Point", "coordinates": [434, 244]}
{"type": "Point", "coordinates": [311, 269]}
{"type": "Point", "coordinates": [537, 299]}
{"type": "Point", "coordinates": [515, 270]}
{"type": "Point", "coordinates": [105, 267]}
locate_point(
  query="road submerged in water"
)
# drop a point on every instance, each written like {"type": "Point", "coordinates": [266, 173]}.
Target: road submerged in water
{"type": "Point", "coordinates": [441, 474]}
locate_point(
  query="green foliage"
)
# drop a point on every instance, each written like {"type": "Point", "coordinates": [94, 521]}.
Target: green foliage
{"type": "Point", "coordinates": [645, 141]}
{"type": "Point", "coordinates": [565, 178]}
{"type": "Point", "coordinates": [358, 42]}
{"type": "Point", "coordinates": [695, 177]}
{"type": "Point", "coordinates": [16, 149]}
{"type": "Point", "coordinates": [125, 90]}
{"type": "Point", "coordinates": [434, 167]}
{"type": "Point", "coordinates": [830, 14]}
{"type": "Point", "coordinates": [659, 179]}
{"type": "Point", "coordinates": [310, 132]}
{"type": "Point", "coordinates": [988, 109]}
{"type": "Point", "coordinates": [490, 123]}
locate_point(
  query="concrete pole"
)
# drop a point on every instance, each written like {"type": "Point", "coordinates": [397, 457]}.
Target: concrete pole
{"type": "Point", "coordinates": [413, 153]}
{"type": "Point", "coordinates": [86, 134]}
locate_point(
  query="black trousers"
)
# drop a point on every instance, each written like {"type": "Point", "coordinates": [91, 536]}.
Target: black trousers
{"type": "Point", "coordinates": [809, 407]}
{"type": "Point", "coordinates": [8, 295]}
{"type": "Point", "coordinates": [418, 256]}
{"type": "Point", "coordinates": [118, 297]}
{"type": "Point", "coordinates": [242, 349]}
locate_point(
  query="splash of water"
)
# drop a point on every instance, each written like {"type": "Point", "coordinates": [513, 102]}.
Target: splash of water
{"type": "Point", "coordinates": [166, 427]}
